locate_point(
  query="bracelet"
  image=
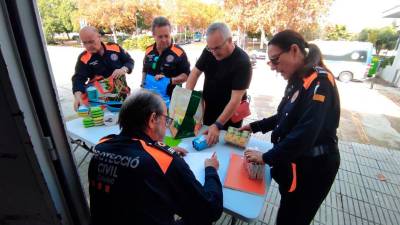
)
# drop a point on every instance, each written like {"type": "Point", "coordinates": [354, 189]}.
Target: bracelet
{"type": "Point", "coordinates": [219, 125]}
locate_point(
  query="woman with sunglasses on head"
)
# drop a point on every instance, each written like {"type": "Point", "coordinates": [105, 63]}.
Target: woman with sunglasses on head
{"type": "Point", "coordinates": [305, 156]}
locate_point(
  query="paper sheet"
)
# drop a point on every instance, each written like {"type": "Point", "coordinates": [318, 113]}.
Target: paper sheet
{"type": "Point", "coordinates": [195, 160]}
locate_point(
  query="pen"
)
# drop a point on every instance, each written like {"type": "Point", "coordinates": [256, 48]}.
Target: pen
{"type": "Point", "coordinates": [213, 155]}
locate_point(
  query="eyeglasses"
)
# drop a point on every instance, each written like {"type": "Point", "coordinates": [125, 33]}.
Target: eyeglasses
{"type": "Point", "coordinates": [168, 120]}
{"type": "Point", "coordinates": [275, 61]}
{"type": "Point", "coordinates": [216, 48]}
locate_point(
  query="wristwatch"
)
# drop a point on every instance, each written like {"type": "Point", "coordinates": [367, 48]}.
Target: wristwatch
{"type": "Point", "coordinates": [219, 125]}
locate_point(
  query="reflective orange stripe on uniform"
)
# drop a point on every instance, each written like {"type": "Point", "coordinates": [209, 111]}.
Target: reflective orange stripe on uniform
{"type": "Point", "coordinates": [149, 49]}
{"type": "Point", "coordinates": [294, 180]}
{"type": "Point", "coordinates": [113, 47]}
{"type": "Point", "coordinates": [163, 159]}
{"type": "Point", "coordinates": [176, 50]}
{"type": "Point", "coordinates": [86, 57]}
{"type": "Point", "coordinates": [308, 80]}
{"type": "Point", "coordinates": [104, 139]}
{"type": "Point", "coordinates": [331, 79]}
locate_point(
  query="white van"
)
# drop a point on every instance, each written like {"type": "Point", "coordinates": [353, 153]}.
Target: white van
{"type": "Point", "coordinates": [347, 60]}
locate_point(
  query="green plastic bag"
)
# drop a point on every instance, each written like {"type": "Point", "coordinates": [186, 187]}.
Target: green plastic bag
{"type": "Point", "coordinates": [186, 108]}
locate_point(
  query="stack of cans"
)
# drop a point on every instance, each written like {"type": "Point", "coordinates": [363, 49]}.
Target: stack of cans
{"type": "Point", "coordinates": [236, 137]}
{"type": "Point", "coordinates": [255, 171]}
{"type": "Point", "coordinates": [97, 115]}
{"type": "Point", "coordinates": [83, 111]}
{"type": "Point", "coordinates": [88, 122]}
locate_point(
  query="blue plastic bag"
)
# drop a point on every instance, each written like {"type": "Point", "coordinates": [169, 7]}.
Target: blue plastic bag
{"type": "Point", "coordinates": [158, 86]}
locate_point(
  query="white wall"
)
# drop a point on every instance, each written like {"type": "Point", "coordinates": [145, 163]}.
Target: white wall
{"type": "Point", "coordinates": [391, 74]}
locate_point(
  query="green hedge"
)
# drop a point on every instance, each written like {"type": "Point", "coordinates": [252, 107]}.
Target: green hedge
{"type": "Point", "coordinates": [138, 42]}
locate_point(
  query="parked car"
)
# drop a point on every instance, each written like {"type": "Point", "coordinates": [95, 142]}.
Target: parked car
{"type": "Point", "coordinates": [197, 36]}
{"type": "Point", "coordinates": [348, 60]}
{"type": "Point", "coordinates": [259, 54]}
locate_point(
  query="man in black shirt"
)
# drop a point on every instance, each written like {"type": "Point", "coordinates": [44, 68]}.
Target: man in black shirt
{"type": "Point", "coordinates": [164, 58]}
{"type": "Point", "coordinates": [98, 59]}
{"type": "Point", "coordinates": [228, 71]}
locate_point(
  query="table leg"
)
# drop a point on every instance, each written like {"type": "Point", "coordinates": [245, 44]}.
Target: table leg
{"type": "Point", "coordinates": [87, 153]}
{"type": "Point", "coordinates": [77, 145]}
{"type": "Point", "coordinates": [80, 143]}
{"type": "Point", "coordinates": [233, 221]}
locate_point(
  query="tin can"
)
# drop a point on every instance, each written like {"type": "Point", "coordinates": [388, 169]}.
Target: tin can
{"type": "Point", "coordinates": [200, 143]}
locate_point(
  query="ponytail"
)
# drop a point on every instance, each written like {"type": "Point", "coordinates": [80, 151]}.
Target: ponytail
{"type": "Point", "coordinates": [312, 59]}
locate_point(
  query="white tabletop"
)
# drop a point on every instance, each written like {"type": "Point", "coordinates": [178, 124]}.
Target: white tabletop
{"type": "Point", "coordinates": [244, 206]}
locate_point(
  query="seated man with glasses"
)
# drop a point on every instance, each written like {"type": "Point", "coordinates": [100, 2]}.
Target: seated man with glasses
{"type": "Point", "coordinates": [136, 179]}
{"type": "Point", "coordinates": [227, 71]}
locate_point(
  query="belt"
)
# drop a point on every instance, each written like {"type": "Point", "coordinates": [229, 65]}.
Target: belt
{"type": "Point", "coordinates": [321, 150]}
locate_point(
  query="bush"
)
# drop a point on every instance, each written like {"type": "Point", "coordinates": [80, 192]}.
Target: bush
{"type": "Point", "coordinates": [129, 44]}
{"type": "Point", "coordinates": [137, 42]}
{"type": "Point", "coordinates": [179, 38]}
{"type": "Point", "coordinates": [144, 41]}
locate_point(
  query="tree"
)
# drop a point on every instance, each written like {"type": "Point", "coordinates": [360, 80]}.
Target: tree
{"type": "Point", "coordinates": [57, 17]}
{"type": "Point", "coordinates": [271, 16]}
{"type": "Point", "coordinates": [381, 38]}
{"type": "Point", "coordinates": [117, 15]}
{"type": "Point", "coordinates": [145, 12]}
{"type": "Point", "coordinates": [106, 15]}
{"type": "Point", "coordinates": [194, 14]}
{"type": "Point", "coordinates": [337, 32]}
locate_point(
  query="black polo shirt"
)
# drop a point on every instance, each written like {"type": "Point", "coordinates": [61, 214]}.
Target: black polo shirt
{"type": "Point", "coordinates": [172, 62]}
{"type": "Point", "coordinates": [221, 77]}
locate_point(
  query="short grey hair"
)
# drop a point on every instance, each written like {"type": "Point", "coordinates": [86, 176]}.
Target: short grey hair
{"type": "Point", "coordinates": [221, 27]}
{"type": "Point", "coordinates": [89, 29]}
{"type": "Point", "coordinates": [160, 22]}
{"type": "Point", "coordinates": [137, 109]}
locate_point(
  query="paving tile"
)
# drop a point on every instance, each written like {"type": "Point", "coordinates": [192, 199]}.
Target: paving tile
{"type": "Point", "coordinates": [366, 161]}
{"type": "Point", "coordinates": [350, 166]}
{"type": "Point", "coordinates": [379, 211]}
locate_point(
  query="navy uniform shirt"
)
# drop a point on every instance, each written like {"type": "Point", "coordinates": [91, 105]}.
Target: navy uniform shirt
{"type": "Point", "coordinates": [90, 65]}
{"type": "Point", "coordinates": [139, 181]}
{"type": "Point", "coordinates": [171, 63]}
{"type": "Point", "coordinates": [307, 116]}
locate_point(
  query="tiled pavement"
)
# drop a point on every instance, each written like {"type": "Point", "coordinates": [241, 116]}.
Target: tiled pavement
{"type": "Point", "coordinates": [366, 189]}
